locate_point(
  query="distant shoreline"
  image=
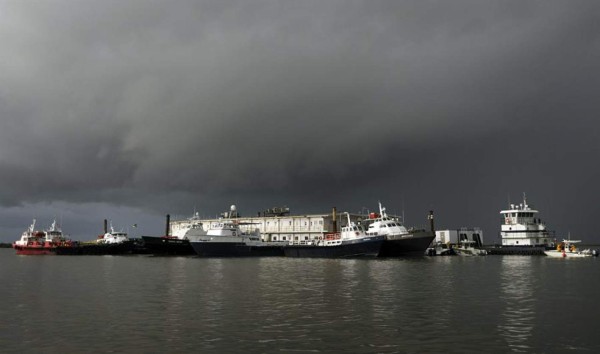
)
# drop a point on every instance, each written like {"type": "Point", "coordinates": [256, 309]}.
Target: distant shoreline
{"type": "Point", "coordinates": [5, 245]}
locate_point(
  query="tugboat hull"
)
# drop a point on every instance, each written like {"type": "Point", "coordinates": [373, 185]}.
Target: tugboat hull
{"type": "Point", "coordinates": [34, 251]}
{"type": "Point", "coordinates": [122, 248]}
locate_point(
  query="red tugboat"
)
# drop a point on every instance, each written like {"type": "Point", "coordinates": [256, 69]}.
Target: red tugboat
{"type": "Point", "coordinates": [35, 242]}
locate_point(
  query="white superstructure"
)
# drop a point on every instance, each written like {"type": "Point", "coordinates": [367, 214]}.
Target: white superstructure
{"type": "Point", "coordinates": [30, 236]}
{"type": "Point", "coordinates": [275, 226]}
{"type": "Point", "coordinates": [382, 224]}
{"type": "Point", "coordinates": [457, 237]}
{"type": "Point", "coordinates": [113, 237]}
{"type": "Point", "coordinates": [521, 227]}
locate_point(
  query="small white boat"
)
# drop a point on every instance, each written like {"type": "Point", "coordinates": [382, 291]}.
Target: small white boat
{"type": "Point", "coordinates": [441, 249]}
{"type": "Point", "coordinates": [567, 249]}
{"type": "Point", "coordinates": [466, 249]}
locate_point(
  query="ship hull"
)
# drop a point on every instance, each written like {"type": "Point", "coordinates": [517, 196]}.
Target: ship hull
{"type": "Point", "coordinates": [568, 254]}
{"type": "Point", "coordinates": [167, 246]}
{"type": "Point", "coordinates": [122, 248]}
{"type": "Point", "coordinates": [355, 248]}
{"type": "Point", "coordinates": [516, 250]}
{"type": "Point", "coordinates": [235, 249]}
{"type": "Point", "coordinates": [413, 244]}
{"type": "Point", "coordinates": [34, 251]}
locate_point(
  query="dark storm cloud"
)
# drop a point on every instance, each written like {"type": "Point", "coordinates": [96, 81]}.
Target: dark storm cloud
{"type": "Point", "coordinates": [166, 106]}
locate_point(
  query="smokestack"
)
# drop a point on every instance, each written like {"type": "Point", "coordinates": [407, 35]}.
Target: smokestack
{"type": "Point", "coordinates": [105, 226]}
{"type": "Point", "coordinates": [430, 217]}
{"type": "Point", "coordinates": [167, 227]}
{"type": "Point", "coordinates": [334, 218]}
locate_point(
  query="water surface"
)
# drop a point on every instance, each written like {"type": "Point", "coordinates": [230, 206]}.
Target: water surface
{"type": "Point", "coordinates": [281, 305]}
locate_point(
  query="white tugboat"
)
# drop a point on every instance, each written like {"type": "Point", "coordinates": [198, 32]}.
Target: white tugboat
{"type": "Point", "coordinates": [522, 227]}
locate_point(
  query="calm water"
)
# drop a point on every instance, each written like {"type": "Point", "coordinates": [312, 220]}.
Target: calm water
{"type": "Point", "coordinates": [437, 304]}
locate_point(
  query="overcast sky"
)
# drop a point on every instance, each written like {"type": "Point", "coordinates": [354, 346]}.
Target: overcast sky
{"type": "Point", "coordinates": [129, 110]}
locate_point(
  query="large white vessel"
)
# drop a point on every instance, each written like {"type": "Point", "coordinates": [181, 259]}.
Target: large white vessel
{"type": "Point", "coordinates": [522, 227]}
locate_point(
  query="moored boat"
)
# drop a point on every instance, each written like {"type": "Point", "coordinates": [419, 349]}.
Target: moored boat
{"type": "Point", "coordinates": [109, 243]}
{"type": "Point", "coordinates": [567, 249]}
{"type": "Point", "coordinates": [225, 238]}
{"type": "Point", "coordinates": [36, 242]}
{"type": "Point", "coordinates": [440, 249]}
{"type": "Point", "coordinates": [467, 248]}
{"type": "Point", "coordinates": [521, 227]}
{"type": "Point", "coordinates": [399, 241]}
{"type": "Point", "coordinates": [175, 244]}
{"type": "Point", "coordinates": [352, 241]}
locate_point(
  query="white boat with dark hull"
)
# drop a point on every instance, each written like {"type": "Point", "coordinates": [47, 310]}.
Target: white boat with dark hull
{"type": "Point", "coordinates": [109, 243]}
{"type": "Point", "coordinates": [399, 241]}
{"type": "Point", "coordinates": [352, 241]}
{"type": "Point", "coordinates": [226, 239]}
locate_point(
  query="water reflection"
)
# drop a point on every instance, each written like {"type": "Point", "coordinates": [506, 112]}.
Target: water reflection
{"type": "Point", "coordinates": [176, 284]}
{"type": "Point", "coordinates": [517, 294]}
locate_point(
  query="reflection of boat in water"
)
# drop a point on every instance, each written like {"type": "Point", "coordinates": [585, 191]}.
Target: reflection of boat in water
{"type": "Point", "coordinates": [352, 241]}
{"type": "Point", "coordinates": [466, 249]}
{"type": "Point", "coordinates": [225, 238]}
{"type": "Point", "coordinates": [399, 241]}
{"type": "Point", "coordinates": [567, 249]}
{"type": "Point", "coordinates": [34, 242]}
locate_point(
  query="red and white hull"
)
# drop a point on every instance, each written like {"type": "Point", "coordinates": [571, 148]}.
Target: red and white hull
{"type": "Point", "coordinates": [34, 250]}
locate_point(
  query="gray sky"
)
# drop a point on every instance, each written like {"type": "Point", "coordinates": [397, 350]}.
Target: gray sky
{"type": "Point", "coordinates": [129, 110]}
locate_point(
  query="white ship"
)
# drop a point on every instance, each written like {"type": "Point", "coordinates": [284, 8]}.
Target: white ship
{"type": "Point", "coordinates": [522, 227]}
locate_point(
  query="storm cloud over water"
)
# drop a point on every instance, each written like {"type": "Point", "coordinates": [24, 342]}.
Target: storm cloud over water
{"type": "Point", "coordinates": [131, 110]}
